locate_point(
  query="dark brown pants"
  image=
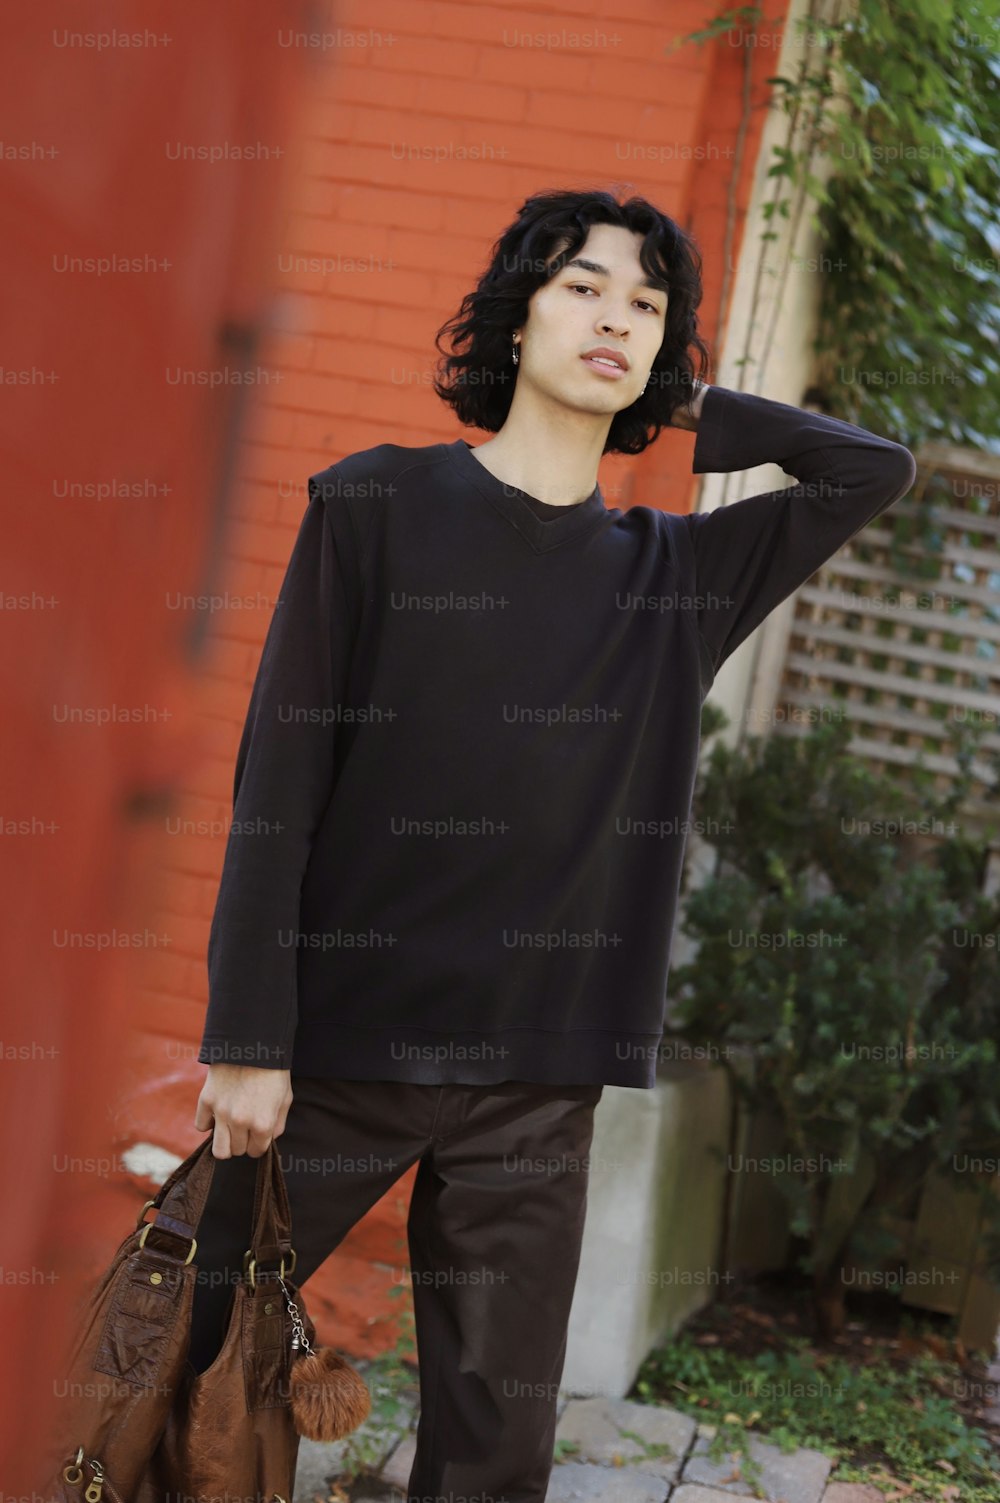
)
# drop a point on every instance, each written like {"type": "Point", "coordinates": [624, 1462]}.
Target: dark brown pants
{"type": "Point", "coordinates": [494, 1231]}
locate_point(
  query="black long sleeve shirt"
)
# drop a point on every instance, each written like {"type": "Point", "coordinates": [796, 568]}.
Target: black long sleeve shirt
{"type": "Point", "coordinates": [464, 782]}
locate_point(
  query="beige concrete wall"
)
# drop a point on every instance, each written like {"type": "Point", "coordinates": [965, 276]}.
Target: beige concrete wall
{"type": "Point", "coordinates": [650, 1254]}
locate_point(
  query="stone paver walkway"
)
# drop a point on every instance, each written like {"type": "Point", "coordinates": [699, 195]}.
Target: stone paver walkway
{"type": "Point", "coordinates": [623, 1452]}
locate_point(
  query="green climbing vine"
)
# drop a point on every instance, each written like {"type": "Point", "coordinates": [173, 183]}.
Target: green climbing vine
{"type": "Point", "coordinates": [899, 100]}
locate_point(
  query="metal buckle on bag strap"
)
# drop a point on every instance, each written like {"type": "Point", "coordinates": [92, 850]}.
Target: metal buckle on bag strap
{"type": "Point", "coordinates": [148, 1226]}
{"type": "Point", "coordinates": [250, 1265]}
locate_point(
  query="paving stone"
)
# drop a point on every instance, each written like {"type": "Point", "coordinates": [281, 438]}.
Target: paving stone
{"type": "Point", "coordinates": [596, 1426]}
{"type": "Point", "coordinates": [693, 1492]}
{"type": "Point", "coordinates": [316, 1464]}
{"type": "Point", "coordinates": [786, 1477]}
{"type": "Point", "coordinates": [397, 1467]}
{"type": "Point", "coordinates": [853, 1492]}
{"type": "Point", "coordinates": [581, 1482]}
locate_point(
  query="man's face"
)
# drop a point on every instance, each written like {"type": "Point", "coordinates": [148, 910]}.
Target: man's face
{"type": "Point", "coordinates": [584, 307]}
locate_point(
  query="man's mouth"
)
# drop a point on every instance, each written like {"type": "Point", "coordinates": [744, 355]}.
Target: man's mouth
{"type": "Point", "coordinates": [605, 365]}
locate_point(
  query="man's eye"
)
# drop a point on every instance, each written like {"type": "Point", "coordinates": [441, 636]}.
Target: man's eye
{"type": "Point", "coordinates": [582, 287]}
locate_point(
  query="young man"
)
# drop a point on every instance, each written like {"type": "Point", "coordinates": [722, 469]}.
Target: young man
{"type": "Point", "coordinates": [437, 921]}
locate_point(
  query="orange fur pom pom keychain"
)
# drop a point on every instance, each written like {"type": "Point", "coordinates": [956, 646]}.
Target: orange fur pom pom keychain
{"type": "Point", "coordinates": [329, 1398]}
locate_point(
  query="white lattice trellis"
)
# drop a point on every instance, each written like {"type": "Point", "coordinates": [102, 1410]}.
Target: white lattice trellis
{"type": "Point", "coordinates": [900, 632]}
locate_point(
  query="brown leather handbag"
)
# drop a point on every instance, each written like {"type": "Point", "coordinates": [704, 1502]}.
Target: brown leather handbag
{"type": "Point", "coordinates": [142, 1423]}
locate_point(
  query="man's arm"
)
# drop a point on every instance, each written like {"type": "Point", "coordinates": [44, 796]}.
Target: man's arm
{"type": "Point", "coordinates": [283, 783]}
{"type": "Point", "coordinates": [750, 555]}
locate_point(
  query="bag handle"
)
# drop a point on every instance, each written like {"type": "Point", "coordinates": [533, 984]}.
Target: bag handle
{"type": "Point", "coordinates": [272, 1226]}
{"type": "Point", "coordinates": [180, 1204]}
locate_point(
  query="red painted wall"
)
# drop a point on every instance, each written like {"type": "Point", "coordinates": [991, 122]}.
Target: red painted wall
{"type": "Point", "coordinates": [120, 263]}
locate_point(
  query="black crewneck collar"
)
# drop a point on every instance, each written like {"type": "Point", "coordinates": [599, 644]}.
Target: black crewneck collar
{"type": "Point", "coordinates": [542, 533]}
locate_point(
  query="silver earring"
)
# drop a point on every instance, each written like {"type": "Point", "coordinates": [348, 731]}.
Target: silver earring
{"type": "Point", "coordinates": [513, 345]}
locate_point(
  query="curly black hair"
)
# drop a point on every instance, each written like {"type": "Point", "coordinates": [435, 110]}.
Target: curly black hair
{"type": "Point", "coordinates": [476, 378]}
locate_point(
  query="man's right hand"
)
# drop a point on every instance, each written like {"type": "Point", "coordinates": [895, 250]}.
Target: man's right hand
{"type": "Point", "coordinates": [247, 1106]}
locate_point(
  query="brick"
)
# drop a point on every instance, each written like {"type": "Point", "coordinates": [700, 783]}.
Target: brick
{"type": "Point", "coordinates": [314, 448]}
{"type": "Point", "coordinates": [421, 250]}
{"type": "Point", "coordinates": [376, 281]}
{"type": "Point", "coordinates": [290, 351]}
{"type": "Point", "coordinates": [428, 134]}
{"type": "Point", "coordinates": [483, 23]}
{"type": "Point", "coordinates": [650, 77]}
{"type": "Point", "coordinates": [563, 111]}
{"type": "Point", "coordinates": [406, 430]}
{"type": "Point", "coordinates": [402, 287]}
{"type": "Point", "coordinates": [480, 220]}
{"type": "Point", "coordinates": [490, 24]}
{"type": "Point", "coordinates": [222, 661]}
{"type": "Point", "coordinates": [567, 150]}
{"type": "Point", "coordinates": [534, 67]}
{"type": "Point", "coordinates": [341, 364]}
{"type": "Point", "coordinates": [312, 237]}
{"type": "Point", "coordinates": [286, 272]}
{"type": "Point", "coordinates": [685, 15]}
{"type": "Point", "coordinates": [413, 331]}
{"type": "Point", "coordinates": [464, 162]}
{"type": "Point", "coordinates": [259, 542]}
{"type": "Point", "coordinates": [316, 391]}
{"type": "Point", "coordinates": [340, 161]}
{"type": "Point", "coordinates": [403, 16]}
{"type": "Point", "coordinates": [373, 364]}
{"type": "Point", "coordinates": [218, 740]}
{"type": "Point", "coordinates": [677, 123]}
{"type": "Point", "coordinates": [412, 405]}
{"type": "Point", "coordinates": [475, 99]}
{"type": "Point", "coordinates": [336, 310]}
{"type": "Point", "coordinates": [333, 122]}
{"type": "Point", "coordinates": [266, 467]}
{"type": "Point", "coordinates": [392, 77]}
{"type": "Point", "coordinates": [311, 195]}
{"type": "Point", "coordinates": [380, 206]}
{"type": "Point", "coordinates": [579, 15]}
{"type": "Point", "coordinates": [639, 40]}
{"type": "Point", "coordinates": [438, 58]}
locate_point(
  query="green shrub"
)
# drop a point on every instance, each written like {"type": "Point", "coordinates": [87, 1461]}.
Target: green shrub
{"type": "Point", "coordinates": [847, 971]}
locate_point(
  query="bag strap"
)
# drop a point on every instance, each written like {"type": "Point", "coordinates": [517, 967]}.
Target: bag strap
{"type": "Point", "coordinates": [272, 1216]}
{"type": "Point", "coordinates": [180, 1201]}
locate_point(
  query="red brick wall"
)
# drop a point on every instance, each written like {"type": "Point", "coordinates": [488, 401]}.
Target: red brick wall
{"type": "Point", "coordinates": [353, 350]}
